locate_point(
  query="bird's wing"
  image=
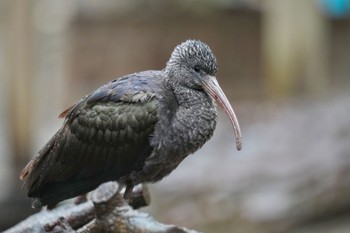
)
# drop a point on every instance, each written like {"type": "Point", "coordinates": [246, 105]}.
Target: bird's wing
{"type": "Point", "coordinates": [138, 87]}
{"type": "Point", "coordinates": [105, 136]}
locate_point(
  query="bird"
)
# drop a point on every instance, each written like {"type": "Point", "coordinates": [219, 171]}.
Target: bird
{"type": "Point", "coordinates": [135, 129]}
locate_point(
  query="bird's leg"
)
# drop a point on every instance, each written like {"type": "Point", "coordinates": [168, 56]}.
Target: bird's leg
{"type": "Point", "coordinates": [120, 187]}
{"type": "Point", "coordinates": [128, 192]}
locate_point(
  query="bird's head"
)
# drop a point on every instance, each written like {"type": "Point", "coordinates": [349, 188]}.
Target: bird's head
{"type": "Point", "coordinates": [190, 62]}
{"type": "Point", "coordinates": [193, 64]}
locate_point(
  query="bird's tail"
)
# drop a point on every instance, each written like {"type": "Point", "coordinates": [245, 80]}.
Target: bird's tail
{"type": "Point", "coordinates": [53, 193]}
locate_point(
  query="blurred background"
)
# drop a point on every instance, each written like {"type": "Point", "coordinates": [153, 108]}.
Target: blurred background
{"type": "Point", "coordinates": [283, 64]}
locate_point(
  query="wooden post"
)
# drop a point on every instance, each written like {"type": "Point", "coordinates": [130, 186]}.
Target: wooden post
{"type": "Point", "coordinates": [295, 51]}
{"type": "Point", "coordinates": [20, 72]}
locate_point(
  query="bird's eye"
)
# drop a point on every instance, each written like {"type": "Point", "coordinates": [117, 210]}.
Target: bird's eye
{"type": "Point", "coordinates": [197, 69]}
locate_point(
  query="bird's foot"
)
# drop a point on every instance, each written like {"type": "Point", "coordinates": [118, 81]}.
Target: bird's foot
{"type": "Point", "coordinates": [80, 199]}
{"type": "Point", "coordinates": [128, 193]}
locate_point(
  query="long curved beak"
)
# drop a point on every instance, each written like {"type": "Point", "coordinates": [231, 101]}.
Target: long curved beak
{"type": "Point", "coordinates": [212, 87]}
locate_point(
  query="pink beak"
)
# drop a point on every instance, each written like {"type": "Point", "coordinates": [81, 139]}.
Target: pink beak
{"type": "Point", "coordinates": [212, 87]}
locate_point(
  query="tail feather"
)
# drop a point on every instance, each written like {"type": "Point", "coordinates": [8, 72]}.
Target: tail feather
{"type": "Point", "coordinates": [30, 173]}
{"type": "Point", "coordinates": [27, 170]}
{"type": "Point", "coordinates": [53, 193]}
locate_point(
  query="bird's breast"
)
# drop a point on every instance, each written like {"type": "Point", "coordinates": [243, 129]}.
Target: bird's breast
{"type": "Point", "coordinates": [187, 127]}
{"type": "Point", "coordinates": [178, 133]}
{"type": "Point", "coordinates": [185, 121]}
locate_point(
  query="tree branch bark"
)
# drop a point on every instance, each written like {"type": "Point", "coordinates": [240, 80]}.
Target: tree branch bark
{"type": "Point", "coordinates": [106, 211]}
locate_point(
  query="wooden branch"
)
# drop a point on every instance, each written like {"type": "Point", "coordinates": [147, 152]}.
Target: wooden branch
{"type": "Point", "coordinates": [107, 211]}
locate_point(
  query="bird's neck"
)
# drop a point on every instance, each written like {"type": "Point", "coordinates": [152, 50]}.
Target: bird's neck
{"type": "Point", "coordinates": [191, 98]}
{"type": "Point", "coordinates": [192, 122]}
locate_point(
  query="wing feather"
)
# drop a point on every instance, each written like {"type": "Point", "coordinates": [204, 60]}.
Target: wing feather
{"type": "Point", "coordinates": [105, 137]}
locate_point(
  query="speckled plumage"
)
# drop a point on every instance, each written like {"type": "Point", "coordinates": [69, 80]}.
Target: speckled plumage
{"type": "Point", "coordinates": [135, 129]}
